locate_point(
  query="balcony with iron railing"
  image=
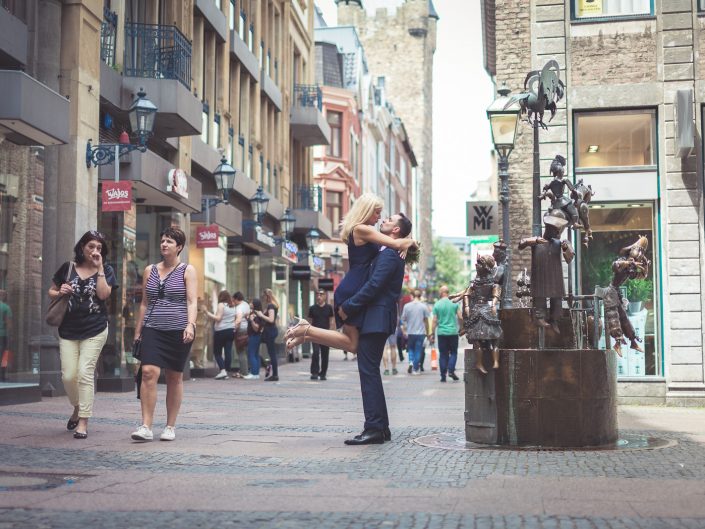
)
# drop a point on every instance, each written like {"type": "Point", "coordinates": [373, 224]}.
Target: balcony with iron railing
{"type": "Point", "coordinates": [157, 59]}
{"type": "Point", "coordinates": [307, 202]}
{"type": "Point", "coordinates": [157, 52]}
{"type": "Point", "coordinates": [308, 126]}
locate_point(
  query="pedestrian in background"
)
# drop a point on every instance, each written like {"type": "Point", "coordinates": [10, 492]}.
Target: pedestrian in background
{"type": "Point", "coordinates": [390, 350]}
{"type": "Point", "coordinates": [320, 315]}
{"type": "Point", "coordinates": [271, 331]}
{"type": "Point", "coordinates": [166, 328]}
{"type": "Point", "coordinates": [88, 282]}
{"type": "Point", "coordinates": [223, 333]}
{"type": "Point", "coordinates": [255, 327]}
{"type": "Point", "coordinates": [242, 310]}
{"type": "Point", "coordinates": [446, 319]}
{"type": "Point", "coordinates": [414, 323]}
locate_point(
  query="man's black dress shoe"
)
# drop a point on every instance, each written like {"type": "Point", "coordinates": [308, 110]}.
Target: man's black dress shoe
{"type": "Point", "coordinates": [387, 434]}
{"type": "Point", "coordinates": [453, 376]}
{"type": "Point", "coordinates": [322, 377]}
{"type": "Point", "coordinates": [368, 437]}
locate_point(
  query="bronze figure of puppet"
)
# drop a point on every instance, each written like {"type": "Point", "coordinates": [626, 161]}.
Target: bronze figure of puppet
{"type": "Point", "coordinates": [547, 270]}
{"type": "Point", "coordinates": [555, 191]}
{"type": "Point", "coordinates": [479, 308]}
{"type": "Point", "coordinates": [632, 264]}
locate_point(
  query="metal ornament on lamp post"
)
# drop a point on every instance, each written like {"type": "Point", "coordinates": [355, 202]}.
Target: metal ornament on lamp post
{"type": "Point", "coordinates": [141, 114]}
{"type": "Point", "coordinates": [259, 202]}
{"type": "Point", "coordinates": [504, 117]}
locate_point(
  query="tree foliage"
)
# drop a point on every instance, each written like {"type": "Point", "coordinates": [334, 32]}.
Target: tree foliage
{"type": "Point", "coordinates": [449, 266]}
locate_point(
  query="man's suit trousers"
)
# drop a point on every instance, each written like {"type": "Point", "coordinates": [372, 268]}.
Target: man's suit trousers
{"type": "Point", "coordinates": [369, 355]}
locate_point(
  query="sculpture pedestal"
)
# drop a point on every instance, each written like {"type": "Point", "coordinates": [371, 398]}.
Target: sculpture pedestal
{"type": "Point", "coordinates": [551, 397]}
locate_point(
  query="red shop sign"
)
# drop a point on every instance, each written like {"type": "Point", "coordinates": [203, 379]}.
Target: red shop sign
{"type": "Point", "coordinates": [117, 196]}
{"type": "Point", "coordinates": [207, 236]}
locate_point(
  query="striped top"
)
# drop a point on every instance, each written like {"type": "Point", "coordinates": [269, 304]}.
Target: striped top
{"type": "Point", "coordinates": [166, 300]}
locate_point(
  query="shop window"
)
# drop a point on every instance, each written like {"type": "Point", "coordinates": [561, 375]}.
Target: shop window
{"type": "Point", "coordinates": [616, 226]}
{"type": "Point", "coordinates": [587, 9]}
{"type": "Point", "coordinates": [242, 26]}
{"type": "Point", "coordinates": [334, 209]}
{"type": "Point", "coordinates": [335, 121]}
{"type": "Point", "coordinates": [205, 122]}
{"type": "Point", "coordinates": [615, 139]}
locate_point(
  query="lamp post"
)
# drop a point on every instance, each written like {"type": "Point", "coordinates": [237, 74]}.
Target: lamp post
{"type": "Point", "coordinates": [141, 114]}
{"type": "Point", "coordinates": [312, 239]}
{"type": "Point", "coordinates": [287, 222]}
{"type": "Point", "coordinates": [336, 259]}
{"type": "Point", "coordinates": [503, 118]}
{"type": "Point", "coordinates": [224, 176]}
{"type": "Point", "coordinates": [259, 202]}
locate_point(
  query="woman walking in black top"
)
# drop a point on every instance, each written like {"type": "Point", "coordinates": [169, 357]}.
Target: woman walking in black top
{"type": "Point", "coordinates": [166, 327]}
{"type": "Point", "coordinates": [269, 316]}
{"type": "Point", "coordinates": [83, 332]}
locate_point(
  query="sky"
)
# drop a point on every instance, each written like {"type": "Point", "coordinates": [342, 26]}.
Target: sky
{"type": "Point", "coordinates": [462, 91]}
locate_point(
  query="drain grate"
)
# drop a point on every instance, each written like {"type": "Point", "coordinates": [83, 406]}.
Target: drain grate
{"type": "Point", "coordinates": [10, 481]}
{"type": "Point", "coordinates": [450, 441]}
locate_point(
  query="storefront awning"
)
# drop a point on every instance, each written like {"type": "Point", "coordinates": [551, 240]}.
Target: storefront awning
{"type": "Point", "coordinates": [153, 182]}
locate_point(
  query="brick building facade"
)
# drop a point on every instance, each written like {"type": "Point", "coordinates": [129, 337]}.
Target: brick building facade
{"type": "Point", "coordinates": [634, 90]}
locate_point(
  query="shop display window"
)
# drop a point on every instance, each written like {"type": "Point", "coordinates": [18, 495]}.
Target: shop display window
{"type": "Point", "coordinates": [625, 139]}
{"type": "Point", "coordinates": [616, 226]}
{"type": "Point", "coordinates": [587, 9]}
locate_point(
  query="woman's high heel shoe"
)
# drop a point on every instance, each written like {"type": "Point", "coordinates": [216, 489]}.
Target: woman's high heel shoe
{"type": "Point", "coordinates": [299, 323]}
{"type": "Point", "coordinates": [293, 341]}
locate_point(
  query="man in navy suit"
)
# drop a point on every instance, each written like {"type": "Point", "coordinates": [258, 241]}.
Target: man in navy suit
{"type": "Point", "coordinates": [378, 298]}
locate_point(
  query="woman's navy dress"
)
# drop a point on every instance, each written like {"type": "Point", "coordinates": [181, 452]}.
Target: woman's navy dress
{"type": "Point", "coordinates": [360, 258]}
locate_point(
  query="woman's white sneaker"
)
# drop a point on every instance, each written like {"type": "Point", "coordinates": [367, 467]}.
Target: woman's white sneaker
{"type": "Point", "coordinates": [222, 375]}
{"type": "Point", "coordinates": [168, 434]}
{"type": "Point", "coordinates": [251, 377]}
{"type": "Point", "coordinates": [142, 434]}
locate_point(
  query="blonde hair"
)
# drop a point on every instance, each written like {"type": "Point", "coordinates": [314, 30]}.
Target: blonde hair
{"type": "Point", "coordinates": [362, 209]}
{"type": "Point", "coordinates": [270, 297]}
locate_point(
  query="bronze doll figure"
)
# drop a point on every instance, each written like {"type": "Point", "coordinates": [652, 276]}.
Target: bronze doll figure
{"type": "Point", "coordinates": [547, 270]}
{"type": "Point", "coordinates": [632, 264]}
{"type": "Point", "coordinates": [555, 191]}
{"type": "Point", "coordinates": [479, 305]}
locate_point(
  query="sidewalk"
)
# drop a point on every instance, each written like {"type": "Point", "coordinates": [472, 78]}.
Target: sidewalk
{"type": "Point", "coordinates": [255, 454]}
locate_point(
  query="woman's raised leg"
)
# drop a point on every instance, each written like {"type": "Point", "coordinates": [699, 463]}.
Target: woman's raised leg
{"type": "Point", "coordinates": [346, 340]}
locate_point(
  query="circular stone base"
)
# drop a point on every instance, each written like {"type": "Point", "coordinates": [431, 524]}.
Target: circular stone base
{"type": "Point", "coordinates": [626, 441]}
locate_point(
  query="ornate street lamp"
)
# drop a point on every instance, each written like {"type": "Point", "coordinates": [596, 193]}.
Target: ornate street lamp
{"type": "Point", "coordinates": [259, 203]}
{"type": "Point", "coordinates": [336, 259]}
{"type": "Point", "coordinates": [312, 239]}
{"type": "Point", "coordinates": [141, 114]}
{"type": "Point", "coordinates": [504, 117]}
{"type": "Point", "coordinates": [288, 222]}
{"type": "Point", "coordinates": [224, 176]}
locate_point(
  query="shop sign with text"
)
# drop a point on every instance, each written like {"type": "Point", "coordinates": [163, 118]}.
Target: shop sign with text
{"type": "Point", "coordinates": [264, 238]}
{"type": "Point", "coordinates": [177, 182]}
{"type": "Point", "coordinates": [318, 265]}
{"type": "Point", "coordinates": [290, 251]}
{"type": "Point", "coordinates": [482, 218]}
{"type": "Point", "coordinates": [117, 196]}
{"type": "Point", "coordinates": [207, 236]}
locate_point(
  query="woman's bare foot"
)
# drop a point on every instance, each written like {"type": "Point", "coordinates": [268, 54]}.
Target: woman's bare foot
{"type": "Point", "coordinates": [481, 369]}
{"type": "Point", "coordinates": [495, 365]}
{"type": "Point", "coordinates": [300, 328]}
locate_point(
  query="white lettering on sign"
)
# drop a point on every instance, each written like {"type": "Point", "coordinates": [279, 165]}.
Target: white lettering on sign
{"type": "Point", "coordinates": [117, 194]}
{"type": "Point", "coordinates": [264, 238]}
{"type": "Point", "coordinates": [207, 235]}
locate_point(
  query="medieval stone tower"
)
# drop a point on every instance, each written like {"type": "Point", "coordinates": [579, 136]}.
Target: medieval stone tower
{"type": "Point", "coordinates": [400, 48]}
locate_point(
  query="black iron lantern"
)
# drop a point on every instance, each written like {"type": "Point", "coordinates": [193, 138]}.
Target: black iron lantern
{"type": "Point", "coordinates": [288, 222]}
{"type": "Point", "coordinates": [259, 203]}
{"type": "Point", "coordinates": [336, 258]}
{"type": "Point", "coordinates": [224, 178]}
{"type": "Point", "coordinates": [142, 114]}
{"type": "Point", "coordinates": [312, 238]}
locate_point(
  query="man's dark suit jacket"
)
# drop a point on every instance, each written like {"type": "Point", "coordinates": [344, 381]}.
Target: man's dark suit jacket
{"type": "Point", "coordinates": [379, 295]}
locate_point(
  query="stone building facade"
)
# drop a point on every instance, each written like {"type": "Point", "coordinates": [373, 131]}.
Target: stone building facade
{"type": "Point", "coordinates": [400, 48]}
{"type": "Point", "coordinates": [630, 124]}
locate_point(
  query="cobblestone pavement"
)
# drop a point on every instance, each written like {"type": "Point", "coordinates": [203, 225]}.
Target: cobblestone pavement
{"type": "Point", "coordinates": [270, 455]}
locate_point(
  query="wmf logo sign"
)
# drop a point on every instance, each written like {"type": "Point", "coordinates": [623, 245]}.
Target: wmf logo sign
{"type": "Point", "coordinates": [482, 218]}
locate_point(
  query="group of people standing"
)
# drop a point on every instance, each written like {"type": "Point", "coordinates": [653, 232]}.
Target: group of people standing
{"type": "Point", "coordinates": [244, 326]}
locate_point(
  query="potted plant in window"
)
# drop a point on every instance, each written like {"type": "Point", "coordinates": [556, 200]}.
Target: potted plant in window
{"type": "Point", "coordinates": [639, 291]}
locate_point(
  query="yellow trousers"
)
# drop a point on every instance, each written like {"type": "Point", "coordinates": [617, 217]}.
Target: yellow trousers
{"type": "Point", "coordinates": [78, 360]}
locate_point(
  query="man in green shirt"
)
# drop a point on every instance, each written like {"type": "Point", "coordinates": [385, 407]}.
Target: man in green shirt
{"type": "Point", "coordinates": [446, 317]}
{"type": "Point", "coordinates": [5, 324]}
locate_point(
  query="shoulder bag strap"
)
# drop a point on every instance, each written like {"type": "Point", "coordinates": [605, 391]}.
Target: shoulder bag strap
{"type": "Point", "coordinates": [68, 271]}
{"type": "Point", "coordinates": [151, 308]}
